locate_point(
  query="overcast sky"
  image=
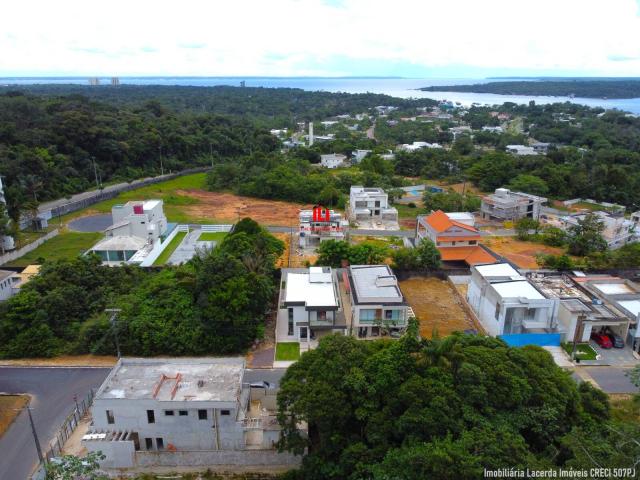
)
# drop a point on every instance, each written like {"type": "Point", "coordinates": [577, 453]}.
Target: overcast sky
{"type": "Point", "coordinates": [412, 38]}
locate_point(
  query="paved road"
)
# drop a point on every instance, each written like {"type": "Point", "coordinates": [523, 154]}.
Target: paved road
{"type": "Point", "coordinates": [52, 391]}
{"type": "Point", "coordinates": [612, 379]}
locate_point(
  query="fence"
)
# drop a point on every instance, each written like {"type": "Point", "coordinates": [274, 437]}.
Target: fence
{"type": "Point", "coordinates": [216, 228]}
{"type": "Point", "coordinates": [113, 191]}
{"type": "Point", "coordinates": [55, 446]}
{"type": "Point", "coordinates": [11, 256]}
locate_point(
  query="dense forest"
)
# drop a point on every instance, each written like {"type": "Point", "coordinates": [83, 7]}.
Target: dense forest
{"type": "Point", "coordinates": [215, 304]}
{"type": "Point", "coordinates": [586, 88]}
{"type": "Point", "coordinates": [48, 146]}
{"type": "Point", "coordinates": [443, 409]}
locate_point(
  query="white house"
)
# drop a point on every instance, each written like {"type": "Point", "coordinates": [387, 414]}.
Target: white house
{"type": "Point", "coordinates": [367, 203]}
{"type": "Point", "coordinates": [358, 155]}
{"type": "Point", "coordinates": [161, 412]}
{"type": "Point", "coordinates": [491, 129]}
{"type": "Point", "coordinates": [137, 225]}
{"type": "Point", "coordinates": [309, 305]}
{"type": "Point", "coordinates": [618, 231]}
{"type": "Point", "coordinates": [507, 205]}
{"type": "Point", "coordinates": [412, 147]}
{"type": "Point", "coordinates": [332, 160]}
{"type": "Point", "coordinates": [507, 303]}
{"type": "Point", "coordinates": [378, 306]}
{"type": "Point", "coordinates": [520, 150]}
{"type": "Point", "coordinates": [6, 284]}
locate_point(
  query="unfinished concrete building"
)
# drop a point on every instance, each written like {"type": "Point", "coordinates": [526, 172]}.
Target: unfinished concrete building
{"type": "Point", "coordinates": [369, 207]}
{"type": "Point", "coordinates": [507, 205]}
{"type": "Point", "coordinates": [320, 224]}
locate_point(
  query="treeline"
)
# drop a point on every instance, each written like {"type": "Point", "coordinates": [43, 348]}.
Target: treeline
{"type": "Point", "coordinates": [295, 179]}
{"type": "Point", "coordinates": [443, 409]}
{"type": "Point", "coordinates": [215, 304]}
{"type": "Point", "coordinates": [48, 146]}
{"type": "Point", "coordinates": [285, 105]}
{"type": "Point", "coordinates": [610, 88]}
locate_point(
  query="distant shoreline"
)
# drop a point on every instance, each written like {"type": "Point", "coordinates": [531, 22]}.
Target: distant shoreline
{"type": "Point", "coordinates": [583, 88]}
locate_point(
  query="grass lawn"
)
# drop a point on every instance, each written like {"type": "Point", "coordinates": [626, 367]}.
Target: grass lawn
{"type": "Point", "coordinates": [405, 211]}
{"type": "Point", "coordinates": [8, 412]}
{"type": "Point", "coordinates": [163, 190]}
{"type": "Point", "coordinates": [166, 253]}
{"type": "Point", "coordinates": [66, 245]}
{"type": "Point", "coordinates": [212, 236]}
{"type": "Point", "coordinates": [287, 351]}
{"type": "Point", "coordinates": [583, 351]}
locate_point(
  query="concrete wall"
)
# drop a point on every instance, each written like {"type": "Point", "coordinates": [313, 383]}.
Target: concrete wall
{"type": "Point", "coordinates": [118, 454]}
{"type": "Point", "coordinates": [159, 247]}
{"type": "Point", "coordinates": [11, 256]}
{"type": "Point", "coordinates": [196, 458]}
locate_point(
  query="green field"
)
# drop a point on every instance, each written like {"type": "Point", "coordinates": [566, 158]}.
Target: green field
{"type": "Point", "coordinates": [405, 211]}
{"type": "Point", "coordinates": [287, 351]}
{"type": "Point", "coordinates": [212, 236]}
{"type": "Point", "coordinates": [166, 191]}
{"type": "Point", "coordinates": [65, 245]}
{"type": "Point", "coordinates": [166, 253]}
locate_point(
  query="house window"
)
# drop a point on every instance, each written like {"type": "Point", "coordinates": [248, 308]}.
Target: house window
{"type": "Point", "coordinates": [151, 416]}
{"type": "Point", "coordinates": [160, 443]}
{"type": "Point", "coordinates": [148, 443]}
{"type": "Point", "coordinates": [202, 414]}
{"type": "Point", "coordinates": [497, 311]}
{"type": "Point", "coordinates": [367, 315]}
{"type": "Point", "coordinates": [225, 412]}
{"type": "Point", "coordinates": [110, 419]}
{"type": "Point", "coordinates": [322, 315]}
{"type": "Point", "coordinates": [183, 413]}
{"type": "Point", "coordinates": [290, 329]}
{"type": "Point", "coordinates": [168, 413]}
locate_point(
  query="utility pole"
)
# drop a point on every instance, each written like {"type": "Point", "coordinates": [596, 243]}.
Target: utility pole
{"type": "Point", "coordinates": [35, 437]}
{"type": "Point", "coordinates": [95, 172]}
{"type": "Point", "coordinates": [114, 314]}
{"type": "Point", "coordinates": [160, 152]}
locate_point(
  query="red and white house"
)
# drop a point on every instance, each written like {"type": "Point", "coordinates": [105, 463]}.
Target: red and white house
{"type": "Point", "coordinates": [320, 224]}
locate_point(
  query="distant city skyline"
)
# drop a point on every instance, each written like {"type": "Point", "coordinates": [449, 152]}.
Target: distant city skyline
{"type": "Point", "coordinates": [321, 38]}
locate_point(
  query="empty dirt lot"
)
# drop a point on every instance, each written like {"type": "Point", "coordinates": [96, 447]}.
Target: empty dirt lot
{"type": "Point", "coordinates": [227, 207]}
{"type": "Point", "coordinates": [523, 254]}
{"type": "Point", "coordinates": [295, 260]}
{"type": "Point", "coordinates": [436, 305]}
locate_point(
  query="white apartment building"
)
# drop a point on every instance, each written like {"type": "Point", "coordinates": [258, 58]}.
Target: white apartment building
{"type": "Point", "coordinates": [618, 231]}
{"type": "Point", "coordinates": [507, 205]}
{"type": "Point", "coordinates": [310, 305]}
{"type": "Point", "coordinates": [162, 411]}
{"type": "Point", "coordinates": [367, 203]}
{"type": "Point", "coordinates": [507, 303]}
{"type": "Point", "coordinates": [378, 306]}
{"type": "Point", "coordinates": [332, 160]}
{"type": "Point", "coordinates": [318, 225]}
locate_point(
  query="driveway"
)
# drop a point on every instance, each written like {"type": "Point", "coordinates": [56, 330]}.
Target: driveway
{"type": "Point", "coordinates": [618, 357]}
{"type": "Point", "coordinates": [52, 391]}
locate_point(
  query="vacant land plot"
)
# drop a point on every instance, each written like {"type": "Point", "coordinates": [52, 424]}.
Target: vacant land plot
{"type": "Point", "coordinates": [10, 407]}
{"type": "Point", "coordinates": [295, 258]}
{"type": "Point", "coordinates": [436, 305]}
{"type": "Point", "coordinates": [229, 208]}
{"type": "Point", "coordinates": [523, 254]}
{"type": "Point", "coordinates": [65, 245]}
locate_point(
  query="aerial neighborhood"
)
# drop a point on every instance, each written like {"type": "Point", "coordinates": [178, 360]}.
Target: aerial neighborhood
{"type": "Point", "coordinates": [355, 264]}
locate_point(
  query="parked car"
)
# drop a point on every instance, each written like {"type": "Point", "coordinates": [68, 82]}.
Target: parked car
{"type": "Point", "coordinates": [616, 339]}
{"type": "Point", "coordinates": [602, 340]}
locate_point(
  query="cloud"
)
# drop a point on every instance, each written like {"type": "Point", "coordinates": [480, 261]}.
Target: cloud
{"type": "Point", "coordinates": [321, 37]}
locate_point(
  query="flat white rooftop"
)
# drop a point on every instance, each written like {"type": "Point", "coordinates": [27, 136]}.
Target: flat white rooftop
{"type": "Point", "coordinates": [613, 288]}
{"type": "Point", "coordinates": [313, 288]}
{"type": "Point", "coordinates": [375, 282]}
{"type": "Point", "coordinates": [175, 379]}
{"type": "Point", "coordinates": [498, 270]}
{"type": "Point", "coordinates": [517, 289]}
{"type": "Point", "coordinates": [632, 305]}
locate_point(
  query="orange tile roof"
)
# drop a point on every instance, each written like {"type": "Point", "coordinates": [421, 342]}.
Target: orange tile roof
{"type": "Point", "coordinates": [440, 222]}
{"type": "Point", "coordinates": [471, 255]}
{"type": "Point", "coordinates": [458, 239]}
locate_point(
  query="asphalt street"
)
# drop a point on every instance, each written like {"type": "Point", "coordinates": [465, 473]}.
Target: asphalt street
{"type": "Point", "coordinates": [52, 391]}
{"type": "Point", "coordinates": [612, 379]}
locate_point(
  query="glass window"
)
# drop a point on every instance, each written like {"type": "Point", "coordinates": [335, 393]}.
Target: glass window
{"type": "Point", "coordinates": [168, 413]}
{"type": "Point", "coordinates": [151, 416]}
{"type": "Point", "coordinates": [367, 315]}
{"type": "Point", "coordinates": [183, 413]}
{"type": "Point", "coordinates": [202, 414]}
